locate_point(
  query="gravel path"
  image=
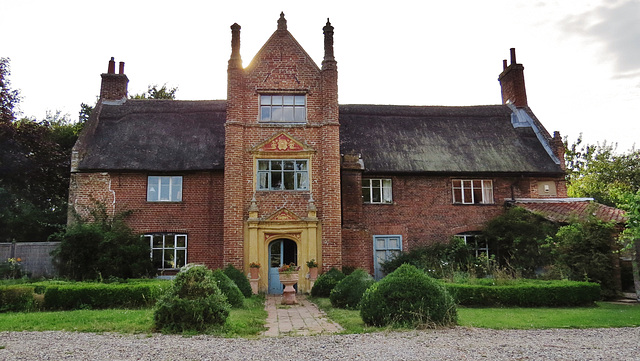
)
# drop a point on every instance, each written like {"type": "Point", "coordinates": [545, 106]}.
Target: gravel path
{"type": "Point", "coordinates": [451, 344]}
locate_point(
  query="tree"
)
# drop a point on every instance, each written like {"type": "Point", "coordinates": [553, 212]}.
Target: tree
{"type": "Point", "coordinates": [153, 92]}
{"type": "Point", "coordinates": [631, 235]}
{"type": "Point", "coordinates": [9, 98]}
{"type": "Point", "coordinates": [598, 171]}
{"type": "Point", "coordinates": [35, 158]}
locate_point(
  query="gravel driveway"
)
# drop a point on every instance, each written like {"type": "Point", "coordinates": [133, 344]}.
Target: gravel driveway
{"type": "Point", "coordinates": [458, 343]}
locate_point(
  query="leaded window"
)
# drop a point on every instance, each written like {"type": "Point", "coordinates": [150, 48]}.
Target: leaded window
{"type": "Point", "coordinates": [283, 108]}
{"type": "Point", "coordinates": [168, 250]}
{"type": "Point", "coordinates": [376, 191]}
{"type": "Point", "coordinates": [283, 174]}
{"type": "Point", "coordinates": [164, 189]}
{"type": "Point", "coordinates": [472, 191]}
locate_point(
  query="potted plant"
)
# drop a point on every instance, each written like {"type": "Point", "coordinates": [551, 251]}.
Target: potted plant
{"type": "Point", "coordinates": [313, 269]}
{"type": "Point", "coordinates": [254, 269]}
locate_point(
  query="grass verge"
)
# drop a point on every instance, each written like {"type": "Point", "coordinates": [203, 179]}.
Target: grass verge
{"type": "Point", "coordinates": [350, 320]}
{"type": "Point", "coordinates": [244, 322]}
{"type": "Point", "coordinates": [600, 316]}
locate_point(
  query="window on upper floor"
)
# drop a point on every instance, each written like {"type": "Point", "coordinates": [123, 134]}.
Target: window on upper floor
{"type": "Point", "coordinates": [168, 250]}
{"type": "Point", "coordinates": [287, 108]}
{"type": "Point", "coordinates": [472, 191]}
{"type": "Point", "coordinates": [164, 189]}
{"type": "Point", "coordinates": [283, 174]}
{"type": "Point", "coordinates": [376, 190]}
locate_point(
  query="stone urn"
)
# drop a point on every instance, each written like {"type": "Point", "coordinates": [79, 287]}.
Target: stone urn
{"type": "Point", "coordinates": [288, 279]}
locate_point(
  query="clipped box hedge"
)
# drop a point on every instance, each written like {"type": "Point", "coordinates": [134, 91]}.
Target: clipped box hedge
{"type": "Point", "coordinates": [100, 295]}
{"type": "Point", "coordinates": [19, 298]}
{"type": "Point", "coordinates": [526, 294]}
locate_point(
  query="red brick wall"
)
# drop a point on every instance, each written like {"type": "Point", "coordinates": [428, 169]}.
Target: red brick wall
{"type": "Point", "coordinates": [422, 212]}
{"type": "Point", "coordinates": [199, 215]}
{"type": "Point", "coordinates": [282, 65]}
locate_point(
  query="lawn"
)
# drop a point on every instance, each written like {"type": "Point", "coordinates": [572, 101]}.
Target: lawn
{"type": "Point", "coordinates": [602, 315]}
{"type": "Point", "coordinates": [245, 322]}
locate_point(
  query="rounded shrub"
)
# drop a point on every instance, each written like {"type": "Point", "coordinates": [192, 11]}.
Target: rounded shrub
{"type": "Point", "coordinates": [194, 302]}
{"type": "Point", "coordinates": [240, 279]}
{"type": "Point", "coordinates": [326, 282]}
{"type": "Point", "coordinates": [229, 289]}
{"type": "Point", "coordinates": [408, 297]}
{"type": "Point", "coordinates": [348, 292]}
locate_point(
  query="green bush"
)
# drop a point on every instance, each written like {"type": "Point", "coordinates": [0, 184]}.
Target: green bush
{"type": "Point", "coordinates": [85, 295]}
{"type": "Point", "coordinates": [348, 292]}
{"type": "Point", "coordinates": [518, 239]}
{"type": "Point", "coordinates": [240, 279]}
{"type": "Point", "coordinates": [19, 298]}
{"type": "Point", "coordinates": [527, 293]}
{"type": "Point", "coordinates": [438, 260]}
{"type": "Point", "coordinates": [194, 302]}
{"type": "Point", "coordinates": [229, 289]}
{"type": "Point", "coordinates": [326, 282]}
{"type": "Point", "coordinates": [101, 247]}
{"type": "Point", "coordinates": [408, 297]}
{"type": "Point", "coordinates": [584, 253]}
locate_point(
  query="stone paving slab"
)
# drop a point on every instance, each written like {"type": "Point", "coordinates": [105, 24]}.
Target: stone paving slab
{"type": "Point", "coordinates": [303, 319]}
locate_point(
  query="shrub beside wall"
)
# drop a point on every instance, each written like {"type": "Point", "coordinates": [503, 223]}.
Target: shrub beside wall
{"type": "Point", "coordinates": [19, 298]}
{"type": "Point", "coordinates": [240, 279]}
{"type": "Point", "coordinates": [326, 282]}
{"type": "Point", "coordinates": [348, 292]}
{"type": "Point", "coordinates": [526, 294]}
{"type": "Point", "coordinates": [408, 297]}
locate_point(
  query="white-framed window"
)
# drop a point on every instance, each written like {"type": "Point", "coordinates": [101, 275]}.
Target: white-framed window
{"type": "Point", "coordinates": [477, 244]}
{"type": "Point", "coordinates": [376, 191]}
{"type": "Point", "coordinates": [168, 250]}
{"type": "Point", "coordinates": [164, 188]}
{"type": "Point", "coordinates": [472, 191]}
{"type": "Point", "coordinates": [283, 174]}
{"type": "Point", "coordinates": [385, 248]}
{"type": "Point", "coordinates": [289, 108]}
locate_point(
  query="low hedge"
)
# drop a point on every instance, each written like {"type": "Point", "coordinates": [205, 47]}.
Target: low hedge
{"type": "Point", "coordinates": [19, 298]}
{"type": "Point", "coordinates": [101, 295]}
{"type": "Point", "coordinates": [526, 294]}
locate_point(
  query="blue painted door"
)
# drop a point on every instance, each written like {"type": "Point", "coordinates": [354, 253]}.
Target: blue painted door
{"type": "Point", "coordinates": [385, 248]}
{"type": "Point", "coordinates": [275, 261]}
{"type": "Point", "coordinates": [281, 251]}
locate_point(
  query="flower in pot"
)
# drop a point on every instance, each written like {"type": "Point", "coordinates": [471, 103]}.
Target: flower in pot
{"type": "Point", "coordinates": [289, 268]}
{"type": "Point", "coordinates": [313, 269]}
{"type": "Point", "coordinates": [254, 268]}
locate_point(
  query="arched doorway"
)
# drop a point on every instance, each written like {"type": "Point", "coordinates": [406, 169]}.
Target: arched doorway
{"type": "Point", "coordinates": [281, 251]}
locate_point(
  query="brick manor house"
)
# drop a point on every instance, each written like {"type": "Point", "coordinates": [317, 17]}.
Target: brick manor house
{"type": "Point", "coordinates": [279, 172]}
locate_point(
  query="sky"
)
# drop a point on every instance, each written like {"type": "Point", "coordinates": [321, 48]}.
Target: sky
{"type": "Point", "coordinates": [581, 57]}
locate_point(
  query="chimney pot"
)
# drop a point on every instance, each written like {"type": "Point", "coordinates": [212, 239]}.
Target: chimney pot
{"type": "Point", "coordinates": [112, 66]}
{"type": "Point", "coordinates": [504, 64]}
{"type": "Point", "coordinates": [121, 69]}
{"type": "Point", "coordinates": [513, 55]}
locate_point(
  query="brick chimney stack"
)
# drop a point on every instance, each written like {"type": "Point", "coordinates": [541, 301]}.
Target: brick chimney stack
{"type": "Point", "coordinates": [114, 86]}
{"type": "Point", "coordinates": [235, 61]}
{"type": "Point", "coordinates": [512, 82]}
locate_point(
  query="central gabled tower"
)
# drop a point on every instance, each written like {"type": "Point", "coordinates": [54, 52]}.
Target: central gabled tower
{"type": "Point", "coordinates": [282, 157]}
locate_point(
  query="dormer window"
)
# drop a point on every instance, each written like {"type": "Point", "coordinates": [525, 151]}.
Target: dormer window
{"type": "Point", "coordinates": [286, 108]}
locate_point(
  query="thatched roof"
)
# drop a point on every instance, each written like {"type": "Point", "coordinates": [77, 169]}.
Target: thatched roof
{"type": "Point", "coordinates": [439, 139]}
{"type": "Point", "coordinates": [172, 135]}
{"type": "Point", "coordinates": [156, 135]}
